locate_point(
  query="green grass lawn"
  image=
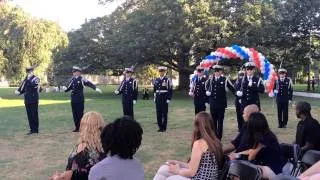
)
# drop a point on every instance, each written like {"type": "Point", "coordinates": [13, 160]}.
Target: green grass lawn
{"type": "Point", "coordinates": [36, 157]}
{"type": "Point", "coordinates": [303, 88]}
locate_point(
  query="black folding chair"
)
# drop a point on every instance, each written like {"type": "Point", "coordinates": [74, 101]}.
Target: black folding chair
{"type": "Point", "coordinates": [292, 153]}
{"type": "Point", "coordinates": [223, 173]}
{"type": "Point", "coordinates": [308, 159]}
{"type": "Point", "coordinates": [244, 170]}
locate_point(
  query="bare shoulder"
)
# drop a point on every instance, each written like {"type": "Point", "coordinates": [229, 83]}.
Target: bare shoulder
{"type": "Point", "coordinates": [81, 147]}
{"type": "Point", "coordinates": [201, 144]}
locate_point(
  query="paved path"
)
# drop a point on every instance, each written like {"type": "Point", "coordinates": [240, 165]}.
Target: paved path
{"type": "Point", "coordinates": [307, 94]}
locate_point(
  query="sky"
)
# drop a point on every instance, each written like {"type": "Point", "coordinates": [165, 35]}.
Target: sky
{"type": "Point", "coordinates": [70, 14]}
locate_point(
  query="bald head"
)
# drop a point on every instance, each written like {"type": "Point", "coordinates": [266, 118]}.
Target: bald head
{"type": "Point", "coordinates": [248, 110]}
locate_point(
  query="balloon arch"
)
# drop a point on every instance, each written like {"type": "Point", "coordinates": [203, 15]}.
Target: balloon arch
{"type": "Point", "coordinates": [247, 54]}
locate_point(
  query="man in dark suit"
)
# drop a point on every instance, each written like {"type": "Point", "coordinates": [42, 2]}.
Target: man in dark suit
{"type": "Point", "coordinates": [216, 89]}
{"type": "Point", "coordinates": [129, 90]}
{"type": "Point", "coordinates": [198, 91]}
{"type": "Point", "coordinates": [162, 89]}
{"type": "Point", "coordinates": [76, 86]}
{"type": "Point", "coordinates": [283, 91]}
{"type": "Point", "coordinates": [29, 87]}
{"type": "Point", "coordinates": [250, 88]}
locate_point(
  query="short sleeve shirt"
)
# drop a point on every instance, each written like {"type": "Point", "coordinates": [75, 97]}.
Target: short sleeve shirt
{"type": "Point", "coordinates": [308, 130]}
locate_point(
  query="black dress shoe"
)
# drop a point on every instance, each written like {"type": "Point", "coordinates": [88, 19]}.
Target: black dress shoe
{"type": "Point", "coordinates": [29, 133]}
{"type": "Point", "coordinates": [76, 130]}
{"type": "Point", "coordinates": [160, 130]}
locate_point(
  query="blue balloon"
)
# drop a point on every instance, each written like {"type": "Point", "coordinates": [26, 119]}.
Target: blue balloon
{"type": "Point", "coordinates": [241, 52]}
{"type": "Point", "coordinates": [266, 69]}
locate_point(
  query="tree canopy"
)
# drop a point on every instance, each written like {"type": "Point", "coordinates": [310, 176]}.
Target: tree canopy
{"type": "Point", "coordinates": [26, 41]}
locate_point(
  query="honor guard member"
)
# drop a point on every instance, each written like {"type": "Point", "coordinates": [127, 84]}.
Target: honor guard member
{"type": "Point", "coordinates": [198, 91]}
{"type": "Point", "coordinates": [250, 88]}
{"type": "Point", "coordinates": [129, 90]}
{"type": "Point", "coordinates": [29, 87]}
{"type": "Point", "coordinates": [162, 89]}
{"type": "Point", "coordinates": [216, 89]}
{"type": "Point", "coordinates": [76, 86]}
{"type": "Point", "coordinates": [283, 91]}
{"type": "Point", "coordinates": [238, 104]}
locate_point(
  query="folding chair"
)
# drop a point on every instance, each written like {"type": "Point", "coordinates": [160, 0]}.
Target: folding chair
{"type": "Point", "coordinates": [244, 170]}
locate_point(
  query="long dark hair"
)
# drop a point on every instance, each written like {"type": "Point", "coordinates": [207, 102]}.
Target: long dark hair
{"type": "Point", "coordinates": [204, 128]}
{"type": "Point", "coordinates": [258, 127]}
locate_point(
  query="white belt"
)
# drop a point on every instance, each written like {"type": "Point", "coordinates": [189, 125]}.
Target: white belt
{"type": "Point", "coordinates": [161, 91]}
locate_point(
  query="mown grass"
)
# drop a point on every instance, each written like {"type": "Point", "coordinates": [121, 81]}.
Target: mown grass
{"type": "Point", "coordinates": [38, 156]}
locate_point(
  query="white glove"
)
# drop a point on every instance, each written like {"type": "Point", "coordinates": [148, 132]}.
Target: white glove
{"type": "Point", "coordinates": [290, 102]}
{"type": "Point", "coordinates": [275, 91]}
{"type": "Point", "coordinates": [116, 92]}
{"type": "Point", "coordinates": [207, 104]}
{"type": "Point", "coordinates": [168, 101]}
{"type": "Point", "coordinates": [134, 101]}
{"type": "Point", "coordinates": [63, 88]}
{"type": "Point", "coordinates": [208, 93]}
{"type": "Point", "coordinates": [190, 93]}
{"type": "Point", "coordinates": [16, 92]}
{"type": "Point", "coordinates": [239, 93]}
{"type": "Point", "coordinates": [98, 90]}
{"type": "Point", "coordinates": [250, 83]}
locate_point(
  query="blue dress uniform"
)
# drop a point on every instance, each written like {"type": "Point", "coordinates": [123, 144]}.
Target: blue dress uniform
{"type": "Point", "coordinates": [129, 90]}
{"type": "Point", "coordinates": [76, 86]}
{"type": "Point", "coordinates": [237, 102]}
{"type": "Point", "coordinates": [216, 89]}
{"type": "Point", "coordinates": [198, 91]}
{"type": "Point", "coordinates": [283, 91]}
{"type": "Point", "coordinates": [29, 88]}
{"type": "Point", "coordinates": [162, 90]}
{"type": "Point", "coordinates": [251, 93]}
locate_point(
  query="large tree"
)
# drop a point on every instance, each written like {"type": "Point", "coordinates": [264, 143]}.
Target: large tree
{"type": "Point", "coordinates": [26, 41]}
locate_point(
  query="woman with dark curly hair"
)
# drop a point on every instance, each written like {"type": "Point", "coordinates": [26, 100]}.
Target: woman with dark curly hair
{"type": "Point", "coordinates": [120, 141]}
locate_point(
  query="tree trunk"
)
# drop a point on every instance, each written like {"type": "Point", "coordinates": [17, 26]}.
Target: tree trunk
{"type": "Point", "coordinates": [184, 80]}
{"type": "Point", "coordinates": [183, 65]}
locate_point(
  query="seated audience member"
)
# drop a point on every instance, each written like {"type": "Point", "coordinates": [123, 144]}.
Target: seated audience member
{"type": "Point", "coordinates": [89, 150]}
{"type": "Point", "coordinates": [266, 149]}
{"type": "Point", "coordinates": [313, 173]}
{"type": "Point", "coordinates": [308, 129]}
{"type": "Point", "coordinates": [240, 143]}
{"type": "Point", "coordinates": [206, 155]}
{"type": "Point", "coordinates": [120, 141]}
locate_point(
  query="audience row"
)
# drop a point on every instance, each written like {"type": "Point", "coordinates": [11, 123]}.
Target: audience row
{"type": "Point", "coordinates": [107, 151]}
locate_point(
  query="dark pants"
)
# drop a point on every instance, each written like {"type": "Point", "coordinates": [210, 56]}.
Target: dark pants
{"type": "Point", "coordinates": [199, 106]}
{"type": "Point", "coordinates": [145, 96]}
{"type": "Point", "coordinates": [33, 118]}
{"type": "Point", "coordinates": [77, 112]}
{"type": "Point", "coordinates": [282, 113]}
{"type": "Point", "coordinates": [162, 114]}
{"type": "Point", "coordinates": [127, 108]}
{"type": "Point", "coordinates": [239, 114]}
{"type": "Point", "coordinates": [217, 117]}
